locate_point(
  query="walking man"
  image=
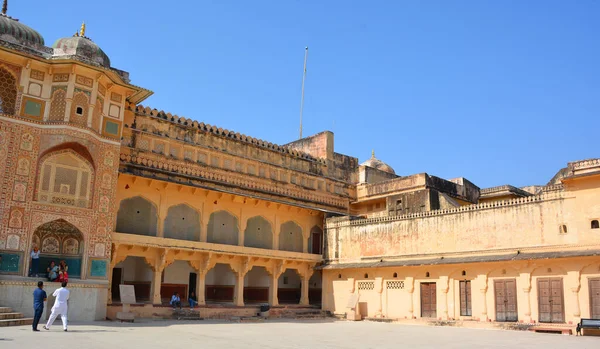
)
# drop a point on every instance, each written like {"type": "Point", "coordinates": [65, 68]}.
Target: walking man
{"type": "Point", "coordinates": [39, 297]}
{"type": "Point", "coordinates": [60, 307]}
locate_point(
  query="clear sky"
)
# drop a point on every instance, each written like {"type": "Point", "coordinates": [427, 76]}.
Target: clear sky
{"type": "Point", "coordinates": [499, 92]}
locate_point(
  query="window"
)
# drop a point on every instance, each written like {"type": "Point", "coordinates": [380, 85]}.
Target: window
{"type": "Point", "coordinates": [65, 179]}
{"type": "Point", "coordinates": [595, 224]}
{"type": "Point", "coordinates": [563, 229]}
{"type": "Point", "coordinates": [465, 298]}
{"type": "Point", "coordinates": [8, 92]}
{"type": "Point", "coordinates": [79, 110]}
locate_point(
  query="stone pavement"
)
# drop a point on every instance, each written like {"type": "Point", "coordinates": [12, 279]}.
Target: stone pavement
{"type": "Point", "coordinates": [279, 334]}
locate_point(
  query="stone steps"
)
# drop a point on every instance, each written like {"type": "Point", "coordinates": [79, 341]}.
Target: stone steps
{"type": "Point", "coordinates": [10, 318]}
{"type": "Point", "coordinates": [5, 316]}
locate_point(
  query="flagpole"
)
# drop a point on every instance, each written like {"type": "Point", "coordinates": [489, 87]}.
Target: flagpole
{"type": "Point", "coordinates": [303, 79]}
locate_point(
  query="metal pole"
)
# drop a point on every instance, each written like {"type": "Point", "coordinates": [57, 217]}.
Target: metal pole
{"type": "Point", "coordinates": [303, 79]}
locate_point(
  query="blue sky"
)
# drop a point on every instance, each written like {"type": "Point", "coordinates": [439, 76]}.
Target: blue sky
{"type": "Point", "coordinates": [499, 92]}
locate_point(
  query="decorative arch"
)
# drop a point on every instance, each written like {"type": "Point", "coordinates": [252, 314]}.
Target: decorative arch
{"type": "Point", "coordinates": [8, 91]}
{"type": "Point", "coordinates": [258, 233]}
{"type": "Point", "coordinates": [60, 241]}
{"type": "Point", "coordinates": [58, 104]}
{"type": "Point", "coordinates": [79, 109]}
{"type": "Point", "coordinates": [223, 228]}
{"type": "Point", "coordinates": [290, 237]}
{"type": "Point", "coordinates": [65, 178]}
{"type": "Point", "coordinates": [183, 223]}
{"type": "Point", "coordinates": [137, 215]}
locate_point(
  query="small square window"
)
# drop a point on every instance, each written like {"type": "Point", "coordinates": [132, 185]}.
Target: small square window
{"type": "Point", "coordinates": [595, 224]}
{"type": "Point", "coordinates": [79, 110]}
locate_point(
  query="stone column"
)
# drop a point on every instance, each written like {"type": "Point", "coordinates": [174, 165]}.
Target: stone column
{"type": "Point", "coordinates": [574, 278]}
{"type": "Point", "coordinates": [277, 269]}
{"type": "Point", "coordinates": [379, 290]}
{"type": "Point", "coordinates": [241, 269]}
{"type": "Point", "coordinates": [526, 280]}
{"type": "Point", "coordinates": [304, 299]}
{"type": "Point", "coordinates": [201, 287]}
{"type": "Point", "coordinates": [444, 285]}
{"type": "Point", "coordinates": [409, 283]}
{"type": "Point", "coordinates": [483, 280]}
{"type": "Point", "coordinates": [156, 283]}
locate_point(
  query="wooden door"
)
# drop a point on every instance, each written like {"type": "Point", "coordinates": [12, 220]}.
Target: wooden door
{"type": "Point", "coordinates": [594, 288]}
{"type": "Point", "coordinates": [465, 298]}
{"type": "Point", "coordinates": [505, 294]}
{"type": "Point", "coordinates": [550, 300]}
{"type": "Point", "coordinates": [428, 300]}
{"type": "Point", "coordinates": [117, 277]}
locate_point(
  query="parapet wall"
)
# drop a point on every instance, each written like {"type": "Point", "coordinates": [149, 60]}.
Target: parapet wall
{"type": "Point", "coordinates": [524, 222]}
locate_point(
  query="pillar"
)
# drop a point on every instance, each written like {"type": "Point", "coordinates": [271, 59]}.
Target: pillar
{"type": "Point", "coordinates": [484, 311]}
{"type": "Point", "coordinates": [409, 283]}
{"type": "Point", "coordinates": [574, 280]}
{"type": "Point", "coordinates": [379, 290]}
{"type": "Point", "coordinates": [526, 281]}
{"type": "Point", "coordinates": [273, 298]}
{"type": "Point", "coordinates": [201, 287]}
{"type": "Point", "coordinates": [238, 297]}
{"type": "Point", "coordinates": [304, 298]}
{"type": "Point", "coordinates": [156, 283]}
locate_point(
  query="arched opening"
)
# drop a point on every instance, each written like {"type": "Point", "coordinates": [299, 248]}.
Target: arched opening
{"type": "Point", "coordinates": [220, 284]}
{"type": "Point", "coordinates": [315, 240]}
{"type": "Point", "coordinates": [8, 92]}
{"type": "Point", "coordinates": [256, 286]}
{"type": "Point", "coordinates": [137, 216]}
{"type": "Point", "coordinates": [223, 228]}
{"type": "Point", "coordinates": [314, 288]}
{"type": "Point", "coordinates": [290, 237]}
{"type": "Point", "coordinates": [59, 241]}
{"type": "Point", "coordinates": [176, 278]}
{"type": "Point", "coordinates": [65, 178]}
{"type": "Point", "coordinates": [258, 233]}
{"type": "Point", "coordinates": [183, 223]}
{"type": "Point", "coordinates": [289, 287]}
{"type": "Point", "coordinates": [133, 271]}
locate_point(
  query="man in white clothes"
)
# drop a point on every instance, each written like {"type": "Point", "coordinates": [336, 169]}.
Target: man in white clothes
{"type": "Point", "coordinates": [60, 307]}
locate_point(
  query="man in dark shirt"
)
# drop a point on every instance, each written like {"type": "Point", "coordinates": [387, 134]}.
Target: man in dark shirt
{"type": "Point", "coordinates": [39, 297]}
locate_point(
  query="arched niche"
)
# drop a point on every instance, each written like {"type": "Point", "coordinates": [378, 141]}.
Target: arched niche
{"type": "Point", "coordinates": [59, 240]}
{"type": "Point", "coordinates": [315, 239]}
{"type": "Point", "coordinates": [65, 178]}
{"type": "Point", "coordinates": [290, 237]}
{"type": "Point", "coordinates": [222, 228]}
{"type": "Point", "coordinates": [258, 233]}
{"type": "Point", "coordinates": [183, 223]}
{"type": "Point", "coordinates": [137, 216]}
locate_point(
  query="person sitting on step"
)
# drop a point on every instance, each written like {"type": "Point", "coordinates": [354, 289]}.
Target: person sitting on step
{"type": "Point", "coordinates": [192, 300]}
{"type": "Point", "coordinates": [176, 301]}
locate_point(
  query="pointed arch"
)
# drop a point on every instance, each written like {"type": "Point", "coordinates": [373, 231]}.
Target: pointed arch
{"type": "Point", "coordinates": [137, 215]}
{"type": "Point", "coordinates": [315, 240]}
{"type": "Point", "coordinates": [8, 91]}
{"type": "Point", "coordinates": [258, 233]}
{"type": "Point", "coordinates": [223, 228]}
{"type": "Point", "coordinates": [290, 237]}
{"type": "Point", "coordinates": [183, 223]}
{"type": "Point", "coordinates": [60, 241]}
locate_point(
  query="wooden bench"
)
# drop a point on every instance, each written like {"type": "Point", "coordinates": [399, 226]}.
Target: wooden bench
{"type": "Point", "coordinates": [589, 324]}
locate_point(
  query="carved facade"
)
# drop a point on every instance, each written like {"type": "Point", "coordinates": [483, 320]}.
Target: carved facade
{"type": "Point", "coordinates": [126, 194]}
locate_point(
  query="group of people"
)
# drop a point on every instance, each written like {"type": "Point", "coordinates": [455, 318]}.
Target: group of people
{"type": "Point", "coordinates": [60, 305]}
{"type": "Point", "coordinates": [55, 273]}
{"type": "Point", "coordinates": [176, 300]}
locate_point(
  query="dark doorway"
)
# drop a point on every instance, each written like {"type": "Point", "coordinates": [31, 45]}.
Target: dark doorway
{"type": "Point", "coordinates": [465, 298]}
{"type": "Point", "coordinates": [594, 285]}
{"type": "Point", "coordinates": [506, 300]}
{"type": "Point", "coordinates": [192, 283]}
{"type": "Point", "coordinates": [117, 276]}
{"type": "Point", "coordinates": [551, 300]}
{"type": "Point", "coordinates": [316, 242]}
{"type": "Point", "coordinates": [428, 300]}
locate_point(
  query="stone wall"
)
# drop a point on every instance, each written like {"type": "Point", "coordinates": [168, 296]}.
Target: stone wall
{"type": "Point", "coordinates": [532, 221]}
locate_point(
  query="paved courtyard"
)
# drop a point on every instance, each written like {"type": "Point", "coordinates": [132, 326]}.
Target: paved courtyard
{"type": "Point", "coordinates": [279, 334]}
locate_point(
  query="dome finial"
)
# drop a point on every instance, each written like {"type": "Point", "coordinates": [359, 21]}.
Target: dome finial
{"type": "Point", "coordinates": [82, 31]}
{"type": "Point", "coordinates": [4, 7]}
{"type": "Point", "coordinates": [373, 153]}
